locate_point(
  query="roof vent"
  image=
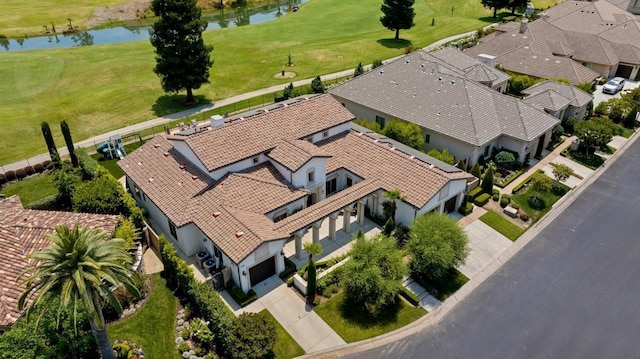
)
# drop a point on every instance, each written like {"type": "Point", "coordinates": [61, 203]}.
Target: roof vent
{"type": "Point", "coordinates": [156, 145]}
{"type": "Point", "coordinates": [195, 178]}
{"type": "Point", "coordinates": [393, 148]}
{"type": "Point", "coordinates": [406, 61]}
{"type": "Point", "coordinates": [166, 154]}
{"type": "Point", "coordinates": [265, 110]}
{"type": "Point", "coordinates": [381, 71]}
{"type": "Point", "coordinates": [438, 113]}
{"type": "Point", "coordinates": [216, 214]}
{"type": "Point", "coordinates": [150, 179]}
{"type": "Point", "coordinates": [412, 157]}
{"type": "Point", "coordinates": [182, 167]}
{"type": "Point", "coordinates": [140, 163]}
{"type": "Point", "coordinates": [432, 166]}
{"type": "Point", "coordinates": [440, 78]}
{"type": "Point", "coordinates": [181, 183]}
{"type": "Point", "coordinates": [239, 234]}
{"type": "Point", "coordinates": [453, 82]}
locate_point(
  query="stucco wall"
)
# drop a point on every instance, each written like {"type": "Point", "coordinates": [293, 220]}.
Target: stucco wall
{"type": "Point", "coordinates": [185, 150]}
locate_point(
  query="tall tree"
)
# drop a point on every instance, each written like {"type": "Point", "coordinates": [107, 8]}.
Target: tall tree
{"type": "Point", "coordinates": [561, 172]}
{"type": "Point", "coordinates": [436, 245]}
{"type": "Point", "coordinates": [182, 58]}
{"type": "Point", "coordinates": [313, 249]}
{"type": "Point", "coordinates": [516, 4]}
{"type": "Point", "coordinates": [487, 181]}
{"type": "Point", "coordinates": [317, 86]}
{"type": "Point", "coordinates": [495, 5]}
{"type": "Point", "coordinates": [397, 14]}
{"type": "Point", "coordinates": [80, 267]}
{"type": "Point", "coordinates": [393, 196]}
{"type": "Point", "coordinates": [66, 133]}
{"type": "Point", "coordinates": [373, 274]}
{"type": "Point", "coordinates": [51, 145]}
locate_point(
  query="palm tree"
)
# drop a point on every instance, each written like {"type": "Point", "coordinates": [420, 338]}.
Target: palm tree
{"type": "Point", "coordinates": [80, 266]}
{"type": "Point", "coordinates": [393, 196]}
{"type": "Point", "coordinates": [312, 249]}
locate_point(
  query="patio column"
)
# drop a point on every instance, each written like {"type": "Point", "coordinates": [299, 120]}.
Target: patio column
{"type": "Point", "coordinates": [298, 239]}
{"type": "Point", "coordinates": [361, 213]}
{"type": "Point", "coordinates": [374, 204]}
{"type": "Point", "coordinates": [315, 228]}
{"type": "Point", "coordinates": [441, 207]}
{"type": "Point", "coordinates": [332, 226]}
{"type": "Point", "coordinates": [346, 218]}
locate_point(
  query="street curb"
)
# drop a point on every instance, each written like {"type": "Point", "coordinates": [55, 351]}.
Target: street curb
{"type": "Point", "coordinates": [451, 302]}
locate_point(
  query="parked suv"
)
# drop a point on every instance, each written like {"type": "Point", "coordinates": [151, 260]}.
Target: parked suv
{"type": "Point", "coordinates": [613, 86]}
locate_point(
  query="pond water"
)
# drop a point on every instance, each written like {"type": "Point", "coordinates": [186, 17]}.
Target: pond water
{"type": "Point", "coordinates": [216, 20]}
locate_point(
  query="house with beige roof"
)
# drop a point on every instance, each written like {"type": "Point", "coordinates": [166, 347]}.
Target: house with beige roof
{"type": "Point", "coordinates": [576, 40]}
{"type": "Point", "coordinates": [467, 117]}
{"type": "Point", "coordinates": [241, 188]}
{"type": "Point", "coordinates": [23, 231]}
{"type": "Point", "coordinates": [558, 99]}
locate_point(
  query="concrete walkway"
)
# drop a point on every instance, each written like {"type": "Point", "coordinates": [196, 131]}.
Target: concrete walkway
{"type": "Point", "coordinates": [485, 244]}
{"type": "Point", "coordinates": [152, 262]}
{"type": "Point", "coordinates": [427, 301]}
{"type": "Point", "coordinates": [292, 312]}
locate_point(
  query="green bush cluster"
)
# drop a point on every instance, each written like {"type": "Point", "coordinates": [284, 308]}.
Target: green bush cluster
{"type": "Point", "coordinates": [510, 178]}
{"type": "Point", "coordinates": [523, 183]}
{"type": "Point", "coordinates": [482, 199]}
{"type": "Point", "coordinates": [330, 283]}
{"type": "Point", "coordinates": [471, 196]}
{"type": "Point", "coordinates": [241, 297]}
{"type": "Point", "coordinates": [495, 197]}
{"type": "Point", "coordinates": [289, 269]}
{"type": "Point", "coordinates": [505, 200]}
{"type": "Point", "coordinates": [466, 209]}
{"type": "Point", "coordinates": [202, 298]}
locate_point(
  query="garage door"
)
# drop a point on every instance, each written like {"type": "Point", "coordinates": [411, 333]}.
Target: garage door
{"type": "Point", "coordinates": [262, 271]}
{"type": "Point", "coordinates": [624, 71]}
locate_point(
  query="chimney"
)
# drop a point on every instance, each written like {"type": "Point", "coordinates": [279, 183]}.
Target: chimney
{"type": "Point", "coordinates": [217, 121]}
{"type": "Point", "coordinates": [487, 60]}
{"type": "Point", "coordinates": [523, 25]}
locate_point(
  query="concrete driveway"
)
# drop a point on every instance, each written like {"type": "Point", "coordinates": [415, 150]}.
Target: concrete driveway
{"type": "Point", "coordinates": [486, 244]}
{"type": "Point", "coordinates": [598, 96]}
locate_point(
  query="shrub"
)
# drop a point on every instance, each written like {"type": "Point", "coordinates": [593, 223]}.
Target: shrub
{"type": "Point", "coordinates": [475, 170]}
{"type": "Point", "coordinates": [359, 70]}
{"type": "Point", "coordinates": [466, 209]}
{"type": "Point", "coordinates": [523, 183]}
{"type": "Point", "coordinates": [495, 191]}
{"type": "Point", "coordinates": [242, 298]}
{"type": "Point", "coordinates": [516, 206]}
{"type": "Point", "coordinates": [47, 164]}
{"type": "Point", "coordinates": [252, 336]}
{"type": "Point", "coordinates": [482, 199]}
{"type": "Point", "coordinates": [290, 268]}
{"type": "Point", "coordinates": [126, 231]}
{"type": "Point", "coordinates": [38, 168]}
{"type": "Point", "coordinates": [505, 200]}
{"type": "Point", "coordinates": [487, 181]}
{"type": "Point", "coordinates": [376, 63]}
{"type": "Point", "coordinates": [495, 197]}
{"type": "Point", "coordinates": [10, 175]}
{"type": "Point", "coordinates": [316, 301]}
{"type": "Point", "coordinates": [505, 159]}
{"type": "Point", "coordinates": [3, 179]}
{"type": "Point", "coordinates": [524, 216]}
{"type": "Point", "coordinates": [184, 347]}
{"type": "Point", "coordinates": [185, 334]}
{"type": "Point", "coordinates": [101, 195]}
{"type": "Point", "coordinates": [471, 196]}
{"type": "Point", "coordinates": [29, 170]}
{"type": "Point", "coordinates": [20, 173]}
{"type": "Point", "coordinates": [290, 282]}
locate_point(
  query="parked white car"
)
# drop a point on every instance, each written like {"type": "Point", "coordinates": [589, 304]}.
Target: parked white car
{"type": "Point", "coordinates": [613, 86]}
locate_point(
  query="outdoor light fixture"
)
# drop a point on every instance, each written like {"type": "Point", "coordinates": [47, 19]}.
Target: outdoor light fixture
{"type": "Point", "coordinates": [244, 273]}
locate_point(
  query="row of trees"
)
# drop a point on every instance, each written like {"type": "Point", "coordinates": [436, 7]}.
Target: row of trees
{"type": "Point", "coordinates": [51, 145]}
{"type": "Point", "coordinates": [504, 4]}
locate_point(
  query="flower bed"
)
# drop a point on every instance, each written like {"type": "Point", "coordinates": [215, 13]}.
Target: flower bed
{"type": "Point", "coordinates": [125, 349]}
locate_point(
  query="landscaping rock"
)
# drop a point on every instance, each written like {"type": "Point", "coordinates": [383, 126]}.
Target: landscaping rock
{"type": "Point", "coordinates": [180, 321]}
{"type": "Point", "coordinates": [179, 340]}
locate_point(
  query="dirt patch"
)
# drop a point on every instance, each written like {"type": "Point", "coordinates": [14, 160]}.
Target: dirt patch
{"type": "Point", "coordinates": [122, 12]}
{"type": "Point", "coordinates": [287, 75]}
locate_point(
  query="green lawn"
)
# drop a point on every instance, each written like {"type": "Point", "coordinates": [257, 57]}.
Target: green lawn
{"type": "Point", "coordinates": [592, 161]}
{"type": "Point", "coordinates": [548, 198]}
{"type": "Point", "coordinates": [444, 287]}
{"type": "Point", "coordinates": [286, 347]}
{"type": "Point", "coordinates": [31, 189]}
{"type": "Point", "coordinates": [28, 17]}
{"type": "Point", "coordinates": [353, 325]}
{"type": "Point", "coordinates": [152, 326]}
{"type": "Point", "coordinates": [545, 4]}
{"type": "Point", "coordinates": [502, 225]}
{"type": "Point", "coordinates": [101, 88]}
{"type": "Point", "coordinates": [111, 165]}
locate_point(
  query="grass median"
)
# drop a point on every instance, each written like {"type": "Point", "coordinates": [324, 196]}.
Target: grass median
{"type": "Point", "coordinates": [102, 88]}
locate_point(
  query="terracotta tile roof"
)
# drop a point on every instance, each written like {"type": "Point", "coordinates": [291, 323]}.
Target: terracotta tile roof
{"type": "Point", "coordinates": [23, 231]}
{"type": "Point", "coordinates": [259, 133]}
{"type": "Point", "coordinates": [328, 206]}
{"type": "Point", "coordinates": [293, 154]}
{"type": "Point", "coordinates": [370, 160]}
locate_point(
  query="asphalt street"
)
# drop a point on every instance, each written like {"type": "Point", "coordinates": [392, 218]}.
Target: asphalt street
{"type": "Point", "coordinates": [572, 292]}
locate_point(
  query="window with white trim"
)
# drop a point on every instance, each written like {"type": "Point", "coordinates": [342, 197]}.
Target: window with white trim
{"type": "Point", "coordinates": [172, 229]}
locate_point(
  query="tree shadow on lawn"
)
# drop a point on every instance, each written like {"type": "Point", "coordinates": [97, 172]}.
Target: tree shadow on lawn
{"type": "Point", "coordinates": [172, 103]}
{"type": "Point", "coordinates": [363, 319]}
{"type": "Point", "coordinates": [499, 16]}
{"type": "Point", "coordinates": [394, 44]}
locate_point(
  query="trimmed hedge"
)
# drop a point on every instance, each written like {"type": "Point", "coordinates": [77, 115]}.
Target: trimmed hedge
{"type": "Point", "coordinates": [505, 200]}
{"type": "Point", "coordinates": [20, 173]}
{"type": "Point", "coordinates": [29, 170]}
{"type": "Point", "coordinates": [409, 296]}
{"type": "Point", "coordinates": [241, 297]}
{"type": "Point", "coordinates": [3, 179]}
{"type": "Point", "coordinates": [471, 196]}
{"type": "Point", "coordinates": [511, 179]}
{"type": "Point", "coordinates": [523, 183]}
{"type": "Point", "coordinates": [10, 175]}
{"type": "Point", "coordinates": [204, 300]}
{"type": "Point", "coordinates": [465, 209]}
{"type": "Point", "coordinates": [290, 268]}
{"type": "Point", "coordinates": [38, 167]}
{"type": "Point", "coordinates": [482, 199]}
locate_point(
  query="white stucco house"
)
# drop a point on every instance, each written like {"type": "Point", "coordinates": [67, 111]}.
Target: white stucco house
{"type": "Point", "coordinates": [243, 187]}
{"type": "Point", "coordinates": [463, 115]}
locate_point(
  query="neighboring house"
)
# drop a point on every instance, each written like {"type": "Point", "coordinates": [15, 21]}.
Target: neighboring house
{"type": "Point", "coordinates": [558, 99]}
{"type": "Point", "coordinates": [464, 116]}
{"type": "Point", "coordinates": [242, 189]}
{"type": "Point", "coordinates": [576, 40]}
{"type": "Point", "coordinates": [23, 231]}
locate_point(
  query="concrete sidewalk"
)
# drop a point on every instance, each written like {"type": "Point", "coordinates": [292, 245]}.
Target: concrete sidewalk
{"type": "Point", "coordinates": [292, 312]}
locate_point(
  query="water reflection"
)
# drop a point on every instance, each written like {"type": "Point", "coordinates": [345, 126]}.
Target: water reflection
{"type": "Point", "coordinates": [217, 19]}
